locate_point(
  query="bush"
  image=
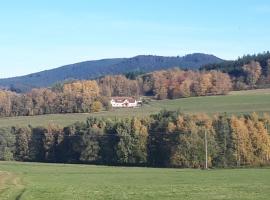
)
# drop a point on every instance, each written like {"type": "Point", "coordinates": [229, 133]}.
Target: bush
{"type": "Point", "coordinates": [96, 106]}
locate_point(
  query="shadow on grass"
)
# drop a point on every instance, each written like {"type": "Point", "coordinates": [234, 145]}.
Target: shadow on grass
{"type": "Point", "coordinates": [19, 196]}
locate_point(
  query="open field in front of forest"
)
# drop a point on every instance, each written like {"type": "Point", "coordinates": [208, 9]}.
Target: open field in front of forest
{"type": "Point", "coordinates": [36, 181]}
{"type": "Point", "coordinates": [238, 102]}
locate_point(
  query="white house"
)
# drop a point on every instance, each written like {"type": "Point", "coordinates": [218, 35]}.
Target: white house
{"type": "Point", "coordinates": [124, 102]}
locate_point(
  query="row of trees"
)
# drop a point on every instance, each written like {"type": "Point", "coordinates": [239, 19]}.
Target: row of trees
{"type": "Point", "coordinates": [73, 97]}
{"type": "Point", "coordinates": [177, 83]}
{"type": "Point", "coordinates": [91, 96]}
{"type": "Point", "coordinates": [167, 139]}
{"type": "Point", "coordinates": [248, 72]}
{"type": "Point", "coordinates": [174, 83]}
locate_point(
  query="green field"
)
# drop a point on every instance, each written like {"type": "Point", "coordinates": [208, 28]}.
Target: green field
{"type": "Point", "coordinates": [34, 181]}
{"type": "Point", "coordinates": [234, 103]}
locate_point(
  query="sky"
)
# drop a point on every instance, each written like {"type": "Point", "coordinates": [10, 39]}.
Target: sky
{"type": "Point", "coordinates": [39, 35]}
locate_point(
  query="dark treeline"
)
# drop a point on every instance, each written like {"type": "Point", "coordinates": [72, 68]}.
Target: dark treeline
{"type": "Point", "coordinates": [92, 96]}
{"type": "Point", "coordinates": [167, 139]}
{"type": "Point", "coordinates": [247, 72]}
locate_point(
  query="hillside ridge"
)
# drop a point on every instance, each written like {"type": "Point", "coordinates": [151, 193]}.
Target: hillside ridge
{"type": "Point", "coordinates": [97, 68]}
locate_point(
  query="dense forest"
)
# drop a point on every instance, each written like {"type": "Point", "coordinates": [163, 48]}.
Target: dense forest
{"type": "Point", "coordinates": [94, 95]}
{"type": "Point", "coordinates": [96, 68]}
{"type": "Point", "coordinates": [167, 139]}
{"type": "Point", "coordinates": [250, 71]}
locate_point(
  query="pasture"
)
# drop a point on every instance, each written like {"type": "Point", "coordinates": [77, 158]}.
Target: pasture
{"type": "Point", "coordinates": [240, 102]}
{"type": "Point", "coordinates": [36, 181]}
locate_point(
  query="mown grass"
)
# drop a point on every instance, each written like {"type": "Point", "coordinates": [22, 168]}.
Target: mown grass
{"type": "Point", "coordinates": [59, 181]}
{"type": "Point", "coordinates": [10, 186]}
{"type": "Point", "coordinates": [235, 103]}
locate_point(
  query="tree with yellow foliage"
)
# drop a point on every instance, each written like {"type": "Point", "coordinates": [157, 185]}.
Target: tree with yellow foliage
{"type": "Point", "coordinates": [253, 71]}
{"type": "Point", "coordinates": [242, 141]}
{"type": "Point", "coordinates": [202, 84]}
{"type": "Point", "coordinates": [96, 106]}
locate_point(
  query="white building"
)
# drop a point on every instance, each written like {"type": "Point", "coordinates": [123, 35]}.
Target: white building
{"type": "Point", "coordinates": [124, 102]}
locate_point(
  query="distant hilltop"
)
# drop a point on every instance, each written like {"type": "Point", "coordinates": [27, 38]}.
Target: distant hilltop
{"type": "Point", "coordinates": [97, 68]}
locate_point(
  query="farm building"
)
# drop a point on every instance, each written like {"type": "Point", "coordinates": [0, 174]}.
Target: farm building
{"type": "Point", "coordinates": [124, 102]}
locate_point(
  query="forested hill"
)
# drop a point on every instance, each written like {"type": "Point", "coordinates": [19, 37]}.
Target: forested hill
{"type": "Point", "coordinates": [97, 68]}
{"type": "Point", "coordinates": [235, 68]}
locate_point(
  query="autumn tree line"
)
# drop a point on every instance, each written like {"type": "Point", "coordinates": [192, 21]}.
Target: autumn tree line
{"type": "Point", "coordinates": [167, 139]}
{"type": "Point", "coordinates": [75, 97]}
{"type": "Point", "coordinates": [94, 95]}
{"type": "Point", "coordinates": [164, 84]}
{"type": "Point", "coordinates": [247, 72]}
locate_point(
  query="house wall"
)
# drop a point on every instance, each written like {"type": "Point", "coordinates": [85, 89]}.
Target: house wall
{"type": "Point", "coordinates": [122, 105]}
{"type": "Point", "coordinates": [132, 104]}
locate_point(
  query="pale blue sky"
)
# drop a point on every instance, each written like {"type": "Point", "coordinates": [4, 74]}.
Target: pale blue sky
{"type": "Point", "coordinates": [38, 35]}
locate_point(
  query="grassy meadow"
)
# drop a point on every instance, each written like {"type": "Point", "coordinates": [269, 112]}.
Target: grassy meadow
{"type": "Point", "coordinates": [36, 181]}
{"type": "Point", "coordinates": [239, 102]}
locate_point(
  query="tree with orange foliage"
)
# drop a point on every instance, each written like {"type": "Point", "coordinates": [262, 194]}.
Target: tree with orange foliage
{"type": "Point", "coordinates": [202, 84]}
{"type": "Point", "coordinates": [253, 71]}
{"type": "Point", "coordinates": [221, 83]}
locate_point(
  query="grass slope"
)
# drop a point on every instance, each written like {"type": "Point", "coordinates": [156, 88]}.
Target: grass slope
{"type": "Point", "coordinates": [235, 103]}
{"type": "Point", "coordinates": [58, 181]}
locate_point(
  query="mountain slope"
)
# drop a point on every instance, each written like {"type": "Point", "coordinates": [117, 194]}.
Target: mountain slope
{"type": "Point", "coordinates": [97, 68]}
